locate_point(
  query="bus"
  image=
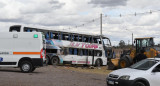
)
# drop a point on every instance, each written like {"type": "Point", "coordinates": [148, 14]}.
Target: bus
{"type": "Point", "coordinates": [73, 48]}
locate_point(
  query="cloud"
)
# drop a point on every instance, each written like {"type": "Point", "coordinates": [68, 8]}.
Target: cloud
{"type": "Point", "coordinates": [108, 3]}
{"type": "Point", "coordinates": [65, 14]}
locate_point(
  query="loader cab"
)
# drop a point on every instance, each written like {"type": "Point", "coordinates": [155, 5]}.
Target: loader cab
{"type": "Point", "coordinates": [142, 44]}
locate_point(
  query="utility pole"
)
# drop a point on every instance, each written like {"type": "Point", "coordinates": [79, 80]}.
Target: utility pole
{"type": "Point", "coordinates": [132, 36]}
{"type": "Point", "coordinates": [132, 39]}
{"type": "Point", "coordinates": [101, 24]}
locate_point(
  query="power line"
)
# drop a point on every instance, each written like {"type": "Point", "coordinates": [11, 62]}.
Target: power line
{"type": "Point", "coordinates": [118, 15]}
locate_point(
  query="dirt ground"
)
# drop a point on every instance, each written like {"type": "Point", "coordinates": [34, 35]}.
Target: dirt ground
{"type": "Point", "coordinates": [54, 76]}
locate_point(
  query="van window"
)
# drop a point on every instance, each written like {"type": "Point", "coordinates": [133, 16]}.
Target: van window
{"type": "Point", "coordinates": [15, 28]}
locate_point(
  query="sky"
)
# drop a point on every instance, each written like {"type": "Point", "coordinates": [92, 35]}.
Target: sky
{"type": "Point", "coordinates": [83, 16]}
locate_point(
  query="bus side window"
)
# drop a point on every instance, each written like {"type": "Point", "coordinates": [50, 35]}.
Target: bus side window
{"type": "Point", "coordinates": [76, 38]}
{"type": "Point", "coordinates": [51, 35]}
{"type": "Point", "coordinates": [73, 38]}
{"type": "Point", "coordinates": [75, 51]}
{"type": "Point", "coordinates": [69, 37]}
{"type": "Point", "coordinates": [92, 41]}
{"type": "Point", "coordinates": [86, 39]}
{"type": "Point", "coordinates": [80, 38]}
{"type": "Point", "coordinates": [90, 53]}
{"type": "Point", "coordinates": [66, 51]}
{"type": "Point", "coordinates": [64, 37]}
{"type": "Point", "coordinates": [47, 36]}
{"type": "Point", "coordinates": [70, 51]}
{"type": "Point", "coordinates": [89, 39]}
{"type": "Point", "coordinates": [61, 36]}
{"type": "Point", "coordinates": [97, 53]}
{"type": "Point", "coordinates": [81, 52]}
{"type": "Point", "coordinates": [86, 52]}
{"type": "Point", "coordinates": [56, 36]}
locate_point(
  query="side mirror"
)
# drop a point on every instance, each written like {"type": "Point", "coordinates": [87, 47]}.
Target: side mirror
{"type": "Point", "coordinates": [134, 41]}
{"type": "Point", "coordinates": [155, 70]}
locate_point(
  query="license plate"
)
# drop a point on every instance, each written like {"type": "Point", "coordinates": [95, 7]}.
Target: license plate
{"type": "Point", "coordinates": [111, 82]}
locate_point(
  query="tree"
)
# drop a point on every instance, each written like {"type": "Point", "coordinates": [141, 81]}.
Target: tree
{"type": "Point", "coordinates": [121, 44]}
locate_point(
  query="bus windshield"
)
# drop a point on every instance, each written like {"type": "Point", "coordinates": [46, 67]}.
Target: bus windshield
{"type": "Point", "coordinates": [106, 42]}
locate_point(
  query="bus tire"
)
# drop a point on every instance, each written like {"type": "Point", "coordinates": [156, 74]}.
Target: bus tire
{"type": "Point", "coordinates": [98, 63]}
{"type": "Point", "coordinates": [55, 61]}
{"type": "Point", "coordinates": [47, 60]}
{"type": "Point", "coordinates": [123, 62]}
{"type": "Point", "coordinates": [26, 66]}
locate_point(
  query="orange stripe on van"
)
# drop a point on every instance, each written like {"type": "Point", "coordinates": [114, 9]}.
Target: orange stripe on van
{"type": "Point", "coordinates": [20, 53]}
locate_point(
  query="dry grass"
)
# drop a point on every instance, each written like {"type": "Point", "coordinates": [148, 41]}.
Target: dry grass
{"type": "Point", "coordinates": [102, 70]}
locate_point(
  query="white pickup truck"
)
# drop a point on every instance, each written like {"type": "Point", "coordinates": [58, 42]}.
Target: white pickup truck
{"type": "Point", "coordinates": [143, 73]}
{"type": "Point", "coordinates": [24, 50]}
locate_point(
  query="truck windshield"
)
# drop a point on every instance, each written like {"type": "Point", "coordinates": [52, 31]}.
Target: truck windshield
{"type": "Point", "coordinates": [144, 64]}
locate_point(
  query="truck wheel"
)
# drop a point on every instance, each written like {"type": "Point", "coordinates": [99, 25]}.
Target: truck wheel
{"type": "Point", "coordinates": [123, 62]}
{"type": "Point", "coordinates": [54, 61]}
{"type": "Point", "coordinates": [26, 67]}
{"type": "Point", "coordinates": [139, 84]}
{"type": "Point", "coordinates": [98, 63]}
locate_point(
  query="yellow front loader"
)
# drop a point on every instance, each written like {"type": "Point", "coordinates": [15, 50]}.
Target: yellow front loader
{"type": "Point", "coordinates": [143, 46]}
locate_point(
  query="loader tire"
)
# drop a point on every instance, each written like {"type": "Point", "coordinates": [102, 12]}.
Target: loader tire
{"type": "Point", "coordinates": [123, 62]}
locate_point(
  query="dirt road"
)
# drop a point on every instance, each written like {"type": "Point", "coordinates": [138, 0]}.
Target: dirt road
{"type": "Point", "coordinates": [49, 76]}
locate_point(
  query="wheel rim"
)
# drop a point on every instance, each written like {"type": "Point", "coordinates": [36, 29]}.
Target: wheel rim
{"type": "Point", "coordinates": [55, 61]}
{"type": "Point", "coordinates": [25, 67]}
{"type": "Point", "coordinates": [123, 64]}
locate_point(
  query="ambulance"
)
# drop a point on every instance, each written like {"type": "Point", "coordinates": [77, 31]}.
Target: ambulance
{"type": "Point", "coordinates": [23, 50]}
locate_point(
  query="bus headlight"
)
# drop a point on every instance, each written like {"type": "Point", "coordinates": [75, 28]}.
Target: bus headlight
{"type": "Point", "coordinates": [125, 77]}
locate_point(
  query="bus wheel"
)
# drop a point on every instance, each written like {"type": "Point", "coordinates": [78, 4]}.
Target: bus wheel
{"type": "Point", "coordinates": [47, 60]}
{"type": "Point", "coordinates": [26, 67]}
{"type": "Point", "coordinates": [54, 61]}
{"type": "Point", "coordinates": [98, 63]}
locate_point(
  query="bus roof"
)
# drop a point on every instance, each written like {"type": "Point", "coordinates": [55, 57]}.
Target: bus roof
{"type": "Point", "coordinates": [56, 31]}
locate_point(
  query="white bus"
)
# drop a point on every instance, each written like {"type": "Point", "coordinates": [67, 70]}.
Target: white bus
{"type": "Point", "coordinates": [74, 48]}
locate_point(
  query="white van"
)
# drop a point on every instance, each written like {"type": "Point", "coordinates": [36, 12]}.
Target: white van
{"type": "Point", "coordinates": [143, 73]}
{"type": "Point", "coordinates": [24, 50]}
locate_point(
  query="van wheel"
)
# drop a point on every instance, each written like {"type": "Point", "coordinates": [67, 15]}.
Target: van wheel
{"type": "Point", "coordinates": [98, 63]}
{"type": "Point", "coordinates": [26, 67]}
{"type": "Point", "coordinates": [54, 61]}
{"type": "Point", "coordinates": [33, 69]}
{"type": "Point", "coordinates": [139, 84]}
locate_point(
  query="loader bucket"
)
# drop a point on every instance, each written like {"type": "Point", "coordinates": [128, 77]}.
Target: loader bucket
{"type": "Point", "coordinates": [113, 64]}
